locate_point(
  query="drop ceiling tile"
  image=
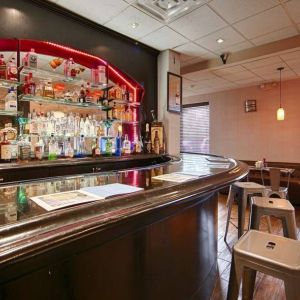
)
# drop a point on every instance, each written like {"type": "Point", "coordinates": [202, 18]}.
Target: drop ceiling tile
{"type": "Point", "coordinates": [190, 50]}
{"type": "Point", "coordinates": [263, 23]}
{"type": "Point", "coordinates": [191, 61]}
{"type": "Point", "coordinates": [188, 93]}
{"type": "Point", "coordinates": [229, 70]}
{"type": "Point", "coordinates": [271, 69]}
{"type": "Point", "coordinates": [286, 74]}
{"type": "Point", "coordinates": [122, 23]}
{"type": "Point", "coordinates": [249, 81]}
{"type": "Point", "coordinates": [99, 11]}
{"type": "Point", "coordinates": [293, 8]}
{"type": "Point", "coordinates": [269, 61]}
{"type": "Point", "coordinates": [294, 64]}
{"type": "Point", "coordinates": [237, 47]}
{"type": "Point", "coordinates": [228, 34]}
{"type": "Point", "coordinates": [200, 75]}
{"type": "Point", "coordinates": [240, 76]}
{"type": "Point", "coordinates": [198, 23]}
{"type": "Point", "coordinates": [294, 55]}
{"type": "Point", "coordinates": [275, 36]}
{"type": "Point", "coordinates": [187, 83]}
{"type": "Point", "coordinates": [164, 38]}
{"type": "Point", "coordinates": [236, 10]}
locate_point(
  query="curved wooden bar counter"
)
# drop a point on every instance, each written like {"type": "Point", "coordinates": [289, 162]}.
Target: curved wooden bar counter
{"type": "Point", "coordinates": [160, 243]}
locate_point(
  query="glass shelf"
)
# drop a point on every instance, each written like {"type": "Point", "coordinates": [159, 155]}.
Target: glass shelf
{"type": "Point", "coordinates": [10, 113]}
{"type": "Point", "coordinates": [43, 100]}
{"type": "Point", "coordinates": [8, 83]}
{"type": "Point", "coordinates": [46, 75]}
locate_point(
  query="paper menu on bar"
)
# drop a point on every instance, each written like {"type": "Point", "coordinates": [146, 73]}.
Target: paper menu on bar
{"type": "Point", "coordinates": [64, 199]}
{"type": "Point", "coordinates": [176, 177]}
{"type": "Point", "coordinates": [113, 189]}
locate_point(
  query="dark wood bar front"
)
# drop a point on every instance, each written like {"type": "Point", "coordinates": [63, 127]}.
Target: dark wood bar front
{"type": "Point", "coordinates": [160, 243]}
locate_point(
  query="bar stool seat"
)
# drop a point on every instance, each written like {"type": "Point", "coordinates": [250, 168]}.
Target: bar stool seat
{"type": "Point", "coordinates": [240, 191]}
{"type": "Point", "coordinates": [270, 254]}
{"type": "Point", "coordinates": [280, 208]}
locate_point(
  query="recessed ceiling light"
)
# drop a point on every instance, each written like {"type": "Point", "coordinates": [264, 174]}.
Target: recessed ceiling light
{"type": "Point", "coordinates": [220, 40]}
{"type": "Point", "coordinates": [134, 25]}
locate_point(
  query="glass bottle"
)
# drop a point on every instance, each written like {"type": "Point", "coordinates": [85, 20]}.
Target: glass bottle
{"type": "Point", "coordinates": [2, 67]}
{"type": "Point", "coordinates": [5, 149]}
{"type": "Point", "coordinates": [96, 149]}
{"type": "Point", "coordinates": [32, 85]}
{"type": "Point", "coordinates": [11, 100]}
{"type": "Point", "coordinates": [147, 140]}
{"type": "Point", "coordinates": [128, 114]}
{"type": "Point", "coordinates": [126, 145]}
{"type": "Point", "coordinates": [82, 95]}
{"type": "Point", "coordinates": [24, 149]}
{"type": "Point", "coordinates": [156, 143]}
{"type": "Point", "coordinates": [118, 145]}
{"type": "Point", "coordinates": [48, 91]}
{"type": "Point", "coordinates": [81, 126]}
{"type": "Point", "coordinates": [138, 146]}
{"type": "Point", "coordinates": [115, 111]}
{"type": "Point", "coordinates": [52, 155]}
{"type": "Point", "coordinates": [69, 152]}
{"type": "Point", "coordinates": [12, 70]}
{"type": "Point", "coordinates": [32, 58]}
{"type": "Point", "coordinates": [39, 149]}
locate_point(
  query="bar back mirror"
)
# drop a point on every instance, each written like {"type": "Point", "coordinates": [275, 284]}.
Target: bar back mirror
{"type": "Point", "coordinates": [174, 99]}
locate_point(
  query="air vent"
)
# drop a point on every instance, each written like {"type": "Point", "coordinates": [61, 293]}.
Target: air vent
{"type": "Point", "coordinates": [168, 10]}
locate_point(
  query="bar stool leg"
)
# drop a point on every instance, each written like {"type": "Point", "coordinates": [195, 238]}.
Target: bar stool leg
{"type": "Point", "coordinates": [236, 273]}
{"type": "Point", "coordinates": [269, 224]}
{"type": "Point", "coordinates": [289, 226]}
{"type": "Point", "coordinates": [248, 285]}
{"type": "Point", "coordinates": [230, 203]}
{"type": "Point", "coordinates": [230, 195]}
{"type": "Point", "coordinates": [242, 203]}
{"type": "Point", "coordinates": [291, 285]}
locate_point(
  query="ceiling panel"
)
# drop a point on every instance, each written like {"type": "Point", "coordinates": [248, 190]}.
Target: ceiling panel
{"type": "Point", "coordinates": [164, 38]}
{"type": "Point", "coordinates": [188, 93]}
{"type": "Point", "coordinates": [198, 23]}
{"type": "Point", "coordinates": [275, 36]}
{"type": "Point", "coordinates": [236, 47]}
{"type": "Point", "coordinates": [270, 61]}
{"type": "Point", "coordinates": [99, 11]}
{"type": "Point", "coordinates": [123, 23]}
{"type": "Point", "coordinates": [235, 10]}
{"type": "Point", "coordinates": [263, 23]}
{"type": "Point", "coordinates": [228, 34]}
{"type": "Point", "coordinates": [293, 8]}
{"type": "Point", "coordinates": [200, 75]}
{"type": "Point", "coordinates": [246, 75]}
{"type": "Point", "coordinates": [291, 55]}
{"type": "Point", "coordinates": [190, 50]}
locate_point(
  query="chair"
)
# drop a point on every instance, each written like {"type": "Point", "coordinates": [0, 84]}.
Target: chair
{"type": "Point", "coordinates": [240, 191]}
{"type": "Point", "coordinates": [280, 208]}
{"type": "Point", "coordinates": [275, 190]}
{"type": "Point", "coordinates": [270, 254]}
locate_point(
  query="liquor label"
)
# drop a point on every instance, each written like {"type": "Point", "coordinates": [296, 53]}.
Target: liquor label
{"type": "Point", "coordinates": [32, 60]}
{"type": "Point", "coordinates": [6, 152]}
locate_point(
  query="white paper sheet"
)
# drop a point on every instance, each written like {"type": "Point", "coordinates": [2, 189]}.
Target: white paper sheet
{"type": "Point", "coordinates": [64, 199]}
{"type": "Point", "coordinates": [176, 177]}
{"type": "Point", "coordinates": [113, 189]}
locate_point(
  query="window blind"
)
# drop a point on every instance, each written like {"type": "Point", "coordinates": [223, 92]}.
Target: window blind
{"type": "Point", "coordinates": [194, 129]}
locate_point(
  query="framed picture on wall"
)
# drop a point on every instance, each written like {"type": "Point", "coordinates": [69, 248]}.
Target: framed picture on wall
{"type": "Point", "coordinates": [250, 105]}
{"type": "Point", "coordinates": [174, 99]}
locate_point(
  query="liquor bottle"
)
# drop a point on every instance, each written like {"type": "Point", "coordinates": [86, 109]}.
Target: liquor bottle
{"type": "Point", "coordinates": [118, 145]}
{"type": "Point", "coordinates": [39, 149]}
{"type": "Point", "coordinates": [67, 68]}
{"type": "Point", "coordinates": [82, 95]}
{"type": "Point", "coordinates": [26, 86]}
{"type": "Point", "coordinates": [96, 149]}
{"type": "Point", "coordinates": [24, 149]}
{"type": "Point", "coordinates": [109, 114]}
{"type": "Point", "coordinates": [32, 59]}
{"type": "Point", "coordinates": [126, 145]}
{"type": "Point", "coordinates": [33, 129]}
{"type": "Point", "coordinates": [115, 111]}
{"type": "Point", "coordinates": [147, 140]}
{"type": "Point", "coordinates": [52, 155]}
{"type": "Point", "coordinates": [88, 95]}
{"type": "Point", "coordinates": [138, 146]}
{"type": "Point", "coordinates": [108, 146]}
{"type": "Point", "coordinates": [12, 70]}
{"type": "Point", "coordinates": [11, 100]}
{"type": "Point", "coordinates": [5, 149]}
{"type": "Point", "coordinates": [87, 127]}
{"type": "Point", "coordinates": [102, 74]}
{"type": "Point", "coordinates": [156, 143]}
{"type": "Point", "coordinates": [81, 150]}
{"type": "Point", "coordinates": [128, 114]}
{"type": "Point", "coordinates": [48, 91]}
{"type": "Point", "coordinates": [2, 67]}
{"type": "Point", "coordinates": [81, 126]}
{"type": "Point", "coordinates": [69, 152]}
{"type": "Point", "coordinates": [32, 85]}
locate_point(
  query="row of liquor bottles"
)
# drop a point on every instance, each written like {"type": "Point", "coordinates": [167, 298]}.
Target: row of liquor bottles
{"type": "Point", "coordinates": [31, 145]}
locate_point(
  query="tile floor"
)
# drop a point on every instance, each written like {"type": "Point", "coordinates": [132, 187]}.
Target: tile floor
{"type": "Point", "coordinates": [266, 287]}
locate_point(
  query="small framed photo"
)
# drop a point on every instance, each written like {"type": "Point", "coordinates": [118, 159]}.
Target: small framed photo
{"type": "Point", "coordinates": [174, 100]}
{"type": "Point", "coordinates": [250, 105]}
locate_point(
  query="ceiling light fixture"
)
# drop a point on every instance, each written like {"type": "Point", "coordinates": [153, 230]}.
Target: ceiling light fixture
{"type": "Point", "coordinates": [134, 25]}
{"type": "Point", "coordinates": [220, 40]}
{"type": "Point", "coordinates": [280, 110]}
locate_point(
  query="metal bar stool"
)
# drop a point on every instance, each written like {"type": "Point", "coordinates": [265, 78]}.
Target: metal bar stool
{"type": "Point", "coordinates": [240, 192]}
{"type": "Point", "coordinates": [280, 208]}
{"type": "Point", "coordinates": [270, 254]}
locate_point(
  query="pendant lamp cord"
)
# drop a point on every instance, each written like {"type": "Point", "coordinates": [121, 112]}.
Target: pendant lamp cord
{"type": "Point", "coordinates": [280, 91]}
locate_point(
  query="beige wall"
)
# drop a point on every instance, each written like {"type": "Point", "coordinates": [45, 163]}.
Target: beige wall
{"type": "Point", "coordinates": [252, 136]}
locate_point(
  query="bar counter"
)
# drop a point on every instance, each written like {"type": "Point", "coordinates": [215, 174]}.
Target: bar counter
{"type": "Point", "coordinates": [160, 243]}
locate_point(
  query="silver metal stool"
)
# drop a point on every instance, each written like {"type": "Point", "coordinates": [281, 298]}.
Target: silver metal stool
{"type": "Point", "coordinates": [280, 208]}
{"type": "Point", "coordinates": [270, 254]}
{"type": "Point", "coordinates": [240, 192]}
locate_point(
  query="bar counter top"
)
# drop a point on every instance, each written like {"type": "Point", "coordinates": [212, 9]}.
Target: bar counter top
{"type": "Point", "coordinates": [158, 243]}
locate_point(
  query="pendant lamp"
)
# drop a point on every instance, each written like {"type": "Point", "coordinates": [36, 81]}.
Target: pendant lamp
{"type": "Point", "coordinates": [280, 110]}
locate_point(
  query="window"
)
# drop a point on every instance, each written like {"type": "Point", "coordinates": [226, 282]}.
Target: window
{"type": "Point", "coordinates": [194, 129]}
